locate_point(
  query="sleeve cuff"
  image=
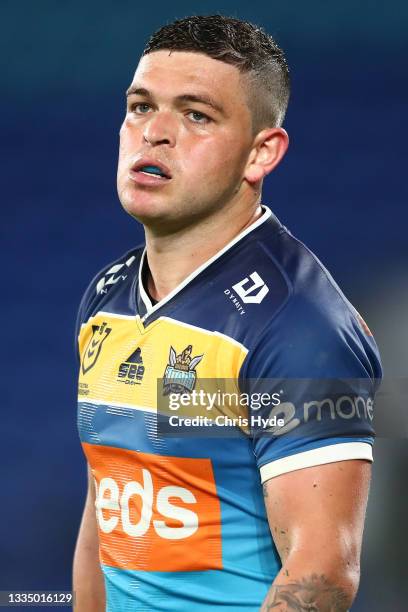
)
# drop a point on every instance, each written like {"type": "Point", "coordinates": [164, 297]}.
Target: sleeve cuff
{"type": "Point", "coordinates": [317, 456]}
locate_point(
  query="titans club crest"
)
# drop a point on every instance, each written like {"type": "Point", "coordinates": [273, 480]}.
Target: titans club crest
{"type": "Point", "coordinates": [180, 374]}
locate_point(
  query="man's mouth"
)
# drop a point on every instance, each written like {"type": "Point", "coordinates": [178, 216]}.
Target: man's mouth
{"type": "Point", "coordinates": [152, 170]}
{"type": "Point", "coordinates": [157, 170]}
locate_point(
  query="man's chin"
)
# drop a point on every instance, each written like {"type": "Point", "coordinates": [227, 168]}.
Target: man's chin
{"type": "Point", "coordinates": [158, 218]}
{"type": "Point", "coordinates": [144, 209]}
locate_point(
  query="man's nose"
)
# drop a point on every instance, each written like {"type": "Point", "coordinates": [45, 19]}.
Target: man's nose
{"type": "Point", "coordinates": [160, 129]}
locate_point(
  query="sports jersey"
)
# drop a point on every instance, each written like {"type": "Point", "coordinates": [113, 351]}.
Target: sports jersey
{"type": "Point", "coordinates": [181, 517]}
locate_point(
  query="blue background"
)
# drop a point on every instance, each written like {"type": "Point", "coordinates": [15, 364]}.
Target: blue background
{"type": "Point", "coordinates": [341, 189]}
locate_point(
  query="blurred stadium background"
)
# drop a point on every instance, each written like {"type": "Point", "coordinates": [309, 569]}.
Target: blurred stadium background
{"type": "Point", "coordinates": [342, 189]}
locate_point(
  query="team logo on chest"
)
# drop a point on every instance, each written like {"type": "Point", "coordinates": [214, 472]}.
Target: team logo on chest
{"type": "Point", "coordinates": [94, 346]}
{"type": "Point", "coordinates": [180, 374]}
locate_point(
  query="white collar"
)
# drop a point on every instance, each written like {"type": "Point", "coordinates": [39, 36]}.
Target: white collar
{"type": "Point", "coordinates": [150, 308]}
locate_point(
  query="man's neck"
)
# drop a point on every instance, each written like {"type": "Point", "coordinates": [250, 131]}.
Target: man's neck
{"type": "Point", "coordinates": [172, 258]}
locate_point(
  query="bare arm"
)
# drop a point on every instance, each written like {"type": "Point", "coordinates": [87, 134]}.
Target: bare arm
{"type": "Point", "coordinates": [88, 582]}
{"type": "Point", "coordinates": [316, 516]}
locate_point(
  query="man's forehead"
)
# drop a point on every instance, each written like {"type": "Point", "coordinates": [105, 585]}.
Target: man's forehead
{"type": "Point", "coordinates": [184, 66]}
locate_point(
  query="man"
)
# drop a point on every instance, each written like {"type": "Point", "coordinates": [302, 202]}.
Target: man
{"type": "Point", "coordinates": [221, 290]}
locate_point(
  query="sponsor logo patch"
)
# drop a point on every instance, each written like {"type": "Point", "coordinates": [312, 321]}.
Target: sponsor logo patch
{"type": "Point", "coordinates": [132, 370]}
{"type": "Point", "coordinates": [112, 277]}
{"type": "Point", "coordinates": [255, 292]}
{"type": "Point", "coordinates": [155, 513]}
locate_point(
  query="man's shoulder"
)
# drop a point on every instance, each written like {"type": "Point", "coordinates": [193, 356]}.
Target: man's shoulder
{"type": "Point", "coordinates": [314, 321]}
{"type": "Point", "coordinates": [109, 278]}
{"type": "Point", "coordinates": [296, 279]}
{"type": "Point", "coordinates": [277, 287]}
{"type": "Point", "coordinates": [113, 272]}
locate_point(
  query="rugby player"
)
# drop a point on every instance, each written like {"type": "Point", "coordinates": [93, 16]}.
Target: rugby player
{"type": "Point", "coordinates": [221, 289]}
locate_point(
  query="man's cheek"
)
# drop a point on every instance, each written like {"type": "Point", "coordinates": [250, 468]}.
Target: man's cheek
{"type": "Point", "coordinates": [128, 135]}
{"type": "Point", "coordinates": [209, 162]}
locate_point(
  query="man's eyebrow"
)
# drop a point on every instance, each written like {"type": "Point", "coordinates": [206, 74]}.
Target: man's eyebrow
{"type": "Point", "coordinates": [140, 91]}
{"type": "Point", "coordinates": [199, 98]}
{"type": "Point", "coordinates": [202, 99]}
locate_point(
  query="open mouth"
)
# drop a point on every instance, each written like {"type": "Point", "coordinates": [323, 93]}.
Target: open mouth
{"type": "Point", "coordinates": [155, 170]}
{"type": "Point", "coordinates": [152, 170]}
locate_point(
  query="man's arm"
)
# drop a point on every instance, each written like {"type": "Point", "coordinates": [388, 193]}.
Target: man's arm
{"type": "Point", "coordinates": [88, 582]}
{"type": "Point", "coordinates": [316, 516]}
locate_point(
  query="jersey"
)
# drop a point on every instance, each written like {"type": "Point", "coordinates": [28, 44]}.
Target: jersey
{"type": "Point", "coordinates": [181, 517]}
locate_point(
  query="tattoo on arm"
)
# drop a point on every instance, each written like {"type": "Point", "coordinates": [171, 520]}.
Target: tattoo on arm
{"type": "Point", "coordinates": [265, 490]}
{"type": "Point", "coordinates": [312, 594]}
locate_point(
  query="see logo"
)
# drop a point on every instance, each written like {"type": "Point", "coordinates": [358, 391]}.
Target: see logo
{"type": "Point", "coordinates": [94, 346]}
{"type": "Point", "coordinates": [155, 513]}
{"type": "Point", "coordinates": [132, 370]}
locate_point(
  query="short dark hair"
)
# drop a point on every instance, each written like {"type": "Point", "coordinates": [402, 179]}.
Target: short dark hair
{"type": "Point", "coordinates": [242, 44]}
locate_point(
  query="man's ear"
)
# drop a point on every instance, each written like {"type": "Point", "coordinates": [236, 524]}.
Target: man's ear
{"type": "Point", "coordinates": [269, 147]}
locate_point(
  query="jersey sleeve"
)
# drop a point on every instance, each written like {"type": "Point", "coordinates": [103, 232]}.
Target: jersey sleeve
{"type": "Point", "coordinates": [318, 369]}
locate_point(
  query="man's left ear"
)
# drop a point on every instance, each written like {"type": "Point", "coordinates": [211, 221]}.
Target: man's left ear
{"type": "Point", "coordinates": [270, 145]}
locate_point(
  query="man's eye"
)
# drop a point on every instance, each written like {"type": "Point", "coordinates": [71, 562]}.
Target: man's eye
{"type": "Point", "coordinates": [198, 117]}
{"type": "Point", "coordinates": [141, 108]}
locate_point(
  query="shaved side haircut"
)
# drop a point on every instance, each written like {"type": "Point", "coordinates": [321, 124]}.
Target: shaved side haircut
{"type": "Point", "coordinates": [248, 47]}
